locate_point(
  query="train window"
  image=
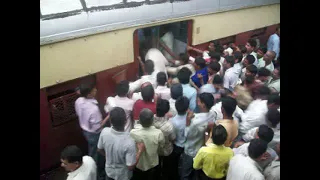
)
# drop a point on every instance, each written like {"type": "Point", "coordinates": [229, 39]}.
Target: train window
{"type": "Point", "coordinates": [227, 40]}
{"type": "Point", "coordinates": [171, 39]}
{"type": "Point", "coordinates": [258, 32]}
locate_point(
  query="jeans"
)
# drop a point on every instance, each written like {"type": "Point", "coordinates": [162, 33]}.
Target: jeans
{"type": "Point", "coordinates": [145, 175]}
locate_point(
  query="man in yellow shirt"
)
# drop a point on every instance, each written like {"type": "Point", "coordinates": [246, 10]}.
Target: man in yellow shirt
{"type": "Point", "coordinates": [214, 159]}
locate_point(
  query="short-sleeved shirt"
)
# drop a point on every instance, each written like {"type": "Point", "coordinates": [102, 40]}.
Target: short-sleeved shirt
{"type": "Point", "coordinates": [153, 140]}
{"type": "Point", "coordinates": [120, 151]}
{"type": "Point", "coordinates": [139, 105]}
{"type": "Point", "coordinates": [191, 93]}
{"type": "Point", "coordinates": [232, 129]}
{"type": "Point", "coordinates": [166, 127]}
{"type": "Point", "coordinates": [213, 160]}
{"type": "Point", "coordinates": [87, 171]}
{"type": "Point", "coordinates": [179, 125]}
{"type": "Point", "coordinates": [204, 73]}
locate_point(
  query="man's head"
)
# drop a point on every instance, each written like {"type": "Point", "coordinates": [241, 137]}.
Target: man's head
{"type": "Point", "coordinates": [88, 90]}
{"type": "Point", "coordinates": [199, 63]}
{"type": "Point", "coordinates": [262, 93]}
{"type": "Point", "coordinates": [214, 68]}
{"type": "Point", "coordinates": [219, 135]}
{"type": "Point", "coordinates": [163, 107]}
{"type": "Point", "coordinates": [161, 79]}
{"type": "Point", "coordinates": [71, 158]}
{"type": "Point", "coordinates": [257, 149]}
{"type": "Point", "coordinates": [251, 45]}
{"type": "Point", "coordinates": [118, 118]}
{"type": "Point", "coordinates": [176, 91]}
{"type": "Point", "coordinates": [264, 133]}
{"type": "Point", "coordinates": [146, 117]}
{"type": "Point", "coordinates": [205, 101]}
{"type": "Point", "coordinates": [228, 62]}
{"type": "Point", "coordinates": [273, 117]}
{"type": "Point", "coordinates": [248, 60]}
{"type": "Point", "coordinates": [122, 88]}
{"type": "Point", "coordinates": [228, 107]}
{"type": "Point", "coordinates": [261, 52]}
{"type": "Point", "coordinates": [184, 58]}
{"type": "Point", "coordinates": [251, 70]}
{"type": "Point", "coordinates": [273, 101]}
{"type": "Point", "coordinates": [269, 56]}
{"type": "Point", "coordinates": [147, 93]}
{"type": "Point", "coordinates": [184, 75]}
{"type": "Point", "coordinates": [243, 49]}
{"type": "Point", "coordinates": [237, 57]}
{"type": "Point", "coordinates": [212, 46]}
{"type": "Point", "coordinates": [263, 74]}
{"type": "Point", "coordinates": [214, 56]}
{"type": "Point", "coordinates": [149, 67]}
{"type": "Point", "coordinates": [182, 105]}
{"type": "Point", "coordinates": [217, 82]}
{"type": "Point", "coordinates": [276, 73]}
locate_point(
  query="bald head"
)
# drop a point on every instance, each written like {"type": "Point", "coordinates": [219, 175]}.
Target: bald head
{"type": "Point", "coordinates": [146, 117]}
{"type": "Point", "coordinates": [269, 56]}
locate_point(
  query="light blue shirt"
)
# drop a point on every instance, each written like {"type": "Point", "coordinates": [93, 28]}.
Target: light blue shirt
{"type": "Point", "coordinates": [191, 94]}
{"type": "Point", "coordinates": [179, 125]}
{"type": "Point", "coordinates": [274, 44]}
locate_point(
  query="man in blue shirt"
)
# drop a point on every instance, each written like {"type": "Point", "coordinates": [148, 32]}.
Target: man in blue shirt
{"type": "Point", "coordinates": [188, 91]}
{"type": "Point", "coordinates": [274, 42]}
{"type": "Point", "coordinates": [201, 76]}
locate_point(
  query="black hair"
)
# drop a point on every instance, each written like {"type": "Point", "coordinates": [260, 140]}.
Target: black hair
{"type": "Point", "coordinates": [273, 117]}
{"type": "Point", "coordinates": [146, 117]}
{"type": "Point", "coordinates": [252, 69]}
{"type": "Point", "coordinates": [225, 93]}
{"type": "Point", "coordinates": [122, 88]}
{"type": "Point", "coordinates": [229, 105]}
{"type": "Point", "coordinates": [215, 55]}
{"type": "Point", "coordinates": [161, 78]}
{"type": "Point", "coordinates": [250, 59]}
{"type": "Point", "coordinates": [230, 60]}
{"type": "Point", "coordinates": [162, 107]}
{"type": "Point", "coordinates": [249, 79]}
{"type": "Point", "coordinates": [263, 91]}
{"type": "Point", "coordinates": [184, 58]}
{"type": "Point", "coordinates": [238, 55]}
{"type": "Point", "coordinates": [265, 133]}
{"type": "Point", "coordinates": [118, 118]}
{"type": "Point", "coordinates": [219, 135]}
{"type": "Point", "coordinates": [200, 62]}
{"type": "Point", "coordinates": [264, 72]}
{"type": "Point", "coordinates": [182, 105]}
{"type": "Point", "coordinates": [72, 154]}
{"type": "Point", "coordinates": [149, 66]}
{"type": "Point", "coordinates": [147, 93]}
{"type": "Point", "coordinates": [217, 80]}
{"type": "Point", "coordinates": [176, 91]}
{"type": "Point", "coordinates": [263, 49]}
{"type": "Point", "coordinates": [256, 148]}
{"type": "Point", "coordinates": [242, 48]}
{"type": "Point", "coordinates": [85, 89]}
{"type": "Point", "coordinates": [274, 99]}
{"type": "Point", "coordinates": [207, 99]}
{"type": "Point", "coordinates": [252, 42]}
{"type": "Point", "coordinates": [184, 75]}
{"type": "Point", "coordinates": [215, 66]}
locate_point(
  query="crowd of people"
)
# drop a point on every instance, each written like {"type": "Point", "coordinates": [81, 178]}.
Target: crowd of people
{"type": "Point", "coordinates": [215, 116]}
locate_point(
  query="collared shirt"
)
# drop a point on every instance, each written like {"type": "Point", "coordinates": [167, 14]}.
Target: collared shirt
{"type": "Point", "coordinates": [120, 151]}
{"type": "Point", "coordinates": [238, 68]}
{"type": "Point", "coordinates": [272, 172]}
{"type": "Point", "coordinates": [254, 54]}
{"type": "Point", "coordinates": [158, 59]}
{"type": "Point", "coordinates": [179, 125]}
{"type": "Point", "coordinates": [195, 132]}
{"type": "Point", "coordinates": [275, 84]}
{"type": "Point", "coordinates": [213, 160]}
{"type": "Point", "coordinates": [254, 115]}
{"type": "Point", "coordinates": [230, 78]}
{"type": "Point", "coordinates": [173, 110]}
{"type": "Point", "coordinates": [262, 64]}
{"type": "Point", "coordinates": [191, 94]}
{"type": "Point", "coordinates": [167, 129]}
{"type": "Point", "coordinates": [89, 114]}
{"type": "Point", "coordinates": [216, 110]}
{"type": "Point", "coordinates": [175, 70]}
{"type": "Point", "coordinates": [204, 73]}
{"type": "Point", "coordinates": [153, 139]}
{"type": "Point", "coordinates": [139, 105]}
{"type": "Point", "coordinates": [163, 92]}
{"type": "Point", "coordinates": [126, 104]}
{"type": "Point", "coordinates": [273, 44]}
{"type": "Point", "coordinates": [252, 133]}
{"type": "Point", "coordinates": [87, 171]}
{"type": "Point", "coordinates": [133, 86]}
{"type": "Point", "coordinates": [244, 168]}
{"type": "Point", "coordinates": [243, 149]}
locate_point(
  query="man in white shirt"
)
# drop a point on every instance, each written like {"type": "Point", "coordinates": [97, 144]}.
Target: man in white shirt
{"type": "Point", "coordinates": [248, 60]}
{"type": "Point", "coordinates": [272, 172]}
{"type": "Point", "coordinates": [274, 83]}
{"type": "Point", "coordinates": [264, 133]}
{"type": "Point", "coordinates": [231, 75]}
{"type": "Point", "coordinates": [237, 61]}
{"type": "Point", "coordinates": [184, 62]}
{"type": "Point", "coordinates": [160, 62]}
{"type": "Point", "coordinates": [246, 167]}
{"type": "Point", "coordinates": [274, 42]}
{"type": "Point", "coordinates": [121, 100]}
{"type": "Point", "coordinates": [267, 61]}
{"type": "Point", "coordinates": [251, 45]}
{"type": "Point", "coordinates": [79, 167]}
{"type": "Point", "coordinates": [162, 91]}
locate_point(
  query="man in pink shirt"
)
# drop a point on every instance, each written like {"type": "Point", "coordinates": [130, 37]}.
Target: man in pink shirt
{"type": "Point", "coordinates": [90, 118]}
